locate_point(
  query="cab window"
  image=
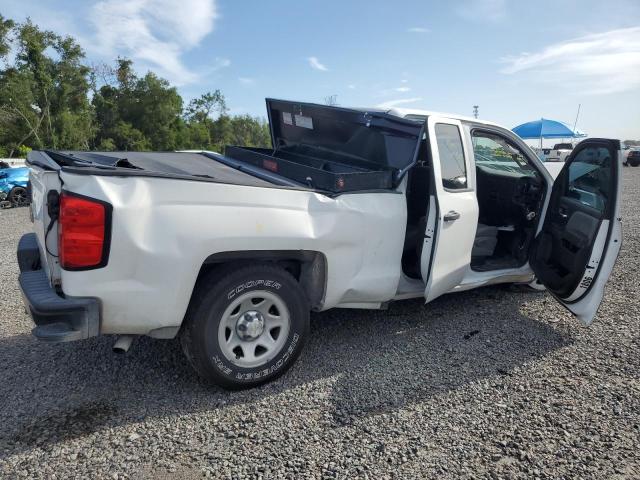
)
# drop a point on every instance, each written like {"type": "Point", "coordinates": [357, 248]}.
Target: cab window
{"type": "Point", "coordinates": [452, 164]}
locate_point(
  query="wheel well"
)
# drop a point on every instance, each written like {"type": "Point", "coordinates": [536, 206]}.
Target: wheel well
{"type": "Point", "coordinates": [308, 267]}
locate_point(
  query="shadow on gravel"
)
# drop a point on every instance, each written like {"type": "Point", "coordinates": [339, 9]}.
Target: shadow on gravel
{"type": "Point", "coordinates": [461, 339]}
{"type": "Point", "coordinates": [379, 361]}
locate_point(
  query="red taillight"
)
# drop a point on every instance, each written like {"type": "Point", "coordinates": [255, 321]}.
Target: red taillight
{"type": "Point", "coordinates": [82, 232]}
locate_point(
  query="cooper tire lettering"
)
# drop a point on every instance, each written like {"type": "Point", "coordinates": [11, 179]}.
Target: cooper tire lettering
{"type": "Point", "coordinates": [215, 292]}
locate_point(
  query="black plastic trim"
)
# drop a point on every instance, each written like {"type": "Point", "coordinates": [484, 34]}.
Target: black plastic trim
{"type": "Point", "coordinates": [57, 318]}
{"type": "Point", "coordinates": [300, 255]}
{"type": "Point", "coordinates": [40, 159]}
{"type": "Point", "coordinates": [28, 253]}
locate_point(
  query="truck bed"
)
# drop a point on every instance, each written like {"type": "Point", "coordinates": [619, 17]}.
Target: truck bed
{"type": "Point", "coordinates": [321, 170]}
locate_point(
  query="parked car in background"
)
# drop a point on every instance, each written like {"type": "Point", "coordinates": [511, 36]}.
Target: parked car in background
{"type": "Point", "coordinates": [13, 186]}
{"type": "Point", "coordinates": [12, 162]}
{"type": "Point", "coordinates": [558, 153]}
{"type": "Point", "coordinates": [349, 209]}
{"type": "Point", "coordinates": [632, 158]}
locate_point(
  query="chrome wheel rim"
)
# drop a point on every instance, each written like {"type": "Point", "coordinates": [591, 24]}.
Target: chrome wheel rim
{"type": "Point", "coordinates": [254, 328]}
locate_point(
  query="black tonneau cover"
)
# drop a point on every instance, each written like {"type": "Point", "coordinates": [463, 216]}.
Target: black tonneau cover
{"type": "Point", "coordinates": [169, 164]}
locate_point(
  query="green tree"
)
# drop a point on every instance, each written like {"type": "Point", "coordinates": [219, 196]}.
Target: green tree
{"type": "Point", "coordinates": [45, 102]}
{"type": "Point", "coordinates": [147, 107]}
{"type": "Point", "coordinates": [43, 92]}
{"type": "Point", "coordinates": [198, 116]}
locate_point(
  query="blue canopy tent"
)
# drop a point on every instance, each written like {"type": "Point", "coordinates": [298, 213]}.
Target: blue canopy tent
{"type": "Point", "coordinates": [545, 128]}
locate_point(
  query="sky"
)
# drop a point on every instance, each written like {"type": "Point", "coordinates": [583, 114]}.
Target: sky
{"type": "Point", "coordinates": [518, 61]}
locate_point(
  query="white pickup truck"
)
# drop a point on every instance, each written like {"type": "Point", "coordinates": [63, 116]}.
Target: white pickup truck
{"type": "Point", "coordinates": [559, 153]}
{"type": "Point", "coordinates": [349, 209]}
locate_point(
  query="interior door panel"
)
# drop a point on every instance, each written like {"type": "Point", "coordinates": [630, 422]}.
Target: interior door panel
{"type": "Point", "coordinates": [581, 229]}
{"type": "Point", "coordinates": [565, 244]}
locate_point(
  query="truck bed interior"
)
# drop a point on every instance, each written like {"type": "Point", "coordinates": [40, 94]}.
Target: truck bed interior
{"type": "Point", "coordinates": [316, 168]}
{"type": "Point", "coordinates": [333, 149]}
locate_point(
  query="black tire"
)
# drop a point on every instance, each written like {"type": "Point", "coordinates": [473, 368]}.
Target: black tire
{"type": "Point", "coordinates": [18, 197]}
{"type": "Point", "coordinates": [215, 293]}
{"type": "Point", "coordinates": [634, 163]}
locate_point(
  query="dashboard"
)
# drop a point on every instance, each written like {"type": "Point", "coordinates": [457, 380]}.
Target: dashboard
{"type": "Point", "coordinates": [506, 196]}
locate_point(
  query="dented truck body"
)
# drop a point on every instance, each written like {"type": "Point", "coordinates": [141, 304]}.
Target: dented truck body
{"type": "Point", "coordinates": [360, 207]}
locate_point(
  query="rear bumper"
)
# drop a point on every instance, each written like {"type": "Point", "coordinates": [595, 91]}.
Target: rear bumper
{"type": "Point", "coordinates": [57, 318]}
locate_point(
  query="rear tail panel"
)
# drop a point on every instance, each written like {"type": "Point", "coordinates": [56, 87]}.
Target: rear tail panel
{"type": "Point", "coordinates": [45, 187]}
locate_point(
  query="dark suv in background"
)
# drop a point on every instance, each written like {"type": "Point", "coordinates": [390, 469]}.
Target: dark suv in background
{"type": "Point", "coordinates": [633, 158]}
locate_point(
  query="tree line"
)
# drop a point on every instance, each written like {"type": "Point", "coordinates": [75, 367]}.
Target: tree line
{"type": "Point", "coordinates": [51, 98]}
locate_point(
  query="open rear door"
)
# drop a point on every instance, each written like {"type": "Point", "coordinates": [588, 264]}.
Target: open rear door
{"type": "Point", "coordinates": [457, 209]}
{"type": "Point", "coordinates": [574, 253]}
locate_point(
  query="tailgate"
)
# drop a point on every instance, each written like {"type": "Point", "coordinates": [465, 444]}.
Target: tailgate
{"type": "Point", "coordinates": [43, 178]}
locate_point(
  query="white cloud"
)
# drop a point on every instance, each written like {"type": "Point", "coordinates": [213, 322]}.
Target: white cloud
{"type": "Point", "coordinates": [351, 86]}
{"type": "Point", "coordinates": [402, 89]}
{"type": "Point", "coordinates": [404, 80]}
{"type": "Point", "coordinates": [418, 30]}
{"type": "Point", "coordinates": [154, 33]}
{"type": "Point", "coordinates": [246, 80]}
{"type": "Point", "coordinates": [599, 63]}
{"type": "Point", "coordinates": [482, 10]}
{"type": "Point", "coordinates": [316, 65]}
{"type": "Point", "coordinates": [398, 102]}
{"type": "Point", "coordinates": [220, 63]}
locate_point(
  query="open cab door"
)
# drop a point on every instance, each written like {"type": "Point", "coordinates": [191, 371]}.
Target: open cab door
{"type": "Point", "coordinates": [574, 253]}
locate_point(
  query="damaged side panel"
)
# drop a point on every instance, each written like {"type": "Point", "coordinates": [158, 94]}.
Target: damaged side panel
{"type": "Point", "coordinates": [358, 237]}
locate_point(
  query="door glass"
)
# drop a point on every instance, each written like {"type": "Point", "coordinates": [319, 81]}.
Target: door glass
{"type": "Point", "coordinates": [494, 152]}
{"type": "Point", "coordinates": [454, 170]}
{"type": "Point", "coordinates": [589, 179]}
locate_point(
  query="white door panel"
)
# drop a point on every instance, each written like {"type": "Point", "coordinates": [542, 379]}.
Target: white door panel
{"type": "Point", "coordinates": [457, 206]}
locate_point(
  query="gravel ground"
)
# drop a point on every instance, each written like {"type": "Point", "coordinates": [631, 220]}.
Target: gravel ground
{"type": "Point", "coordinates": [492, 383]}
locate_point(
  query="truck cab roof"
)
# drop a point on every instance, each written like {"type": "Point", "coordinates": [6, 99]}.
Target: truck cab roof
{"type": "Point", "coordinates": [417, 113]}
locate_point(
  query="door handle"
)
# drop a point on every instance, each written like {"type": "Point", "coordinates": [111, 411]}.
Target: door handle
{"type": "Point", "coordinates": [451, 216]}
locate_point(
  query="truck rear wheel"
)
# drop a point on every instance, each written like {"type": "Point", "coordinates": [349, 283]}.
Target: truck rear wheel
{"type": "Point", "coordinates": [245, 326]}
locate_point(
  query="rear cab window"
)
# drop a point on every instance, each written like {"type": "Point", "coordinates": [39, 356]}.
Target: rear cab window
{"type": "Point", "coordinates": [452, 162]}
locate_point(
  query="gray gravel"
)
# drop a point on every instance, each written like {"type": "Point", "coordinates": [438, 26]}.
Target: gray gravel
{"type": "Point", "coordinates": [491, 383]}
